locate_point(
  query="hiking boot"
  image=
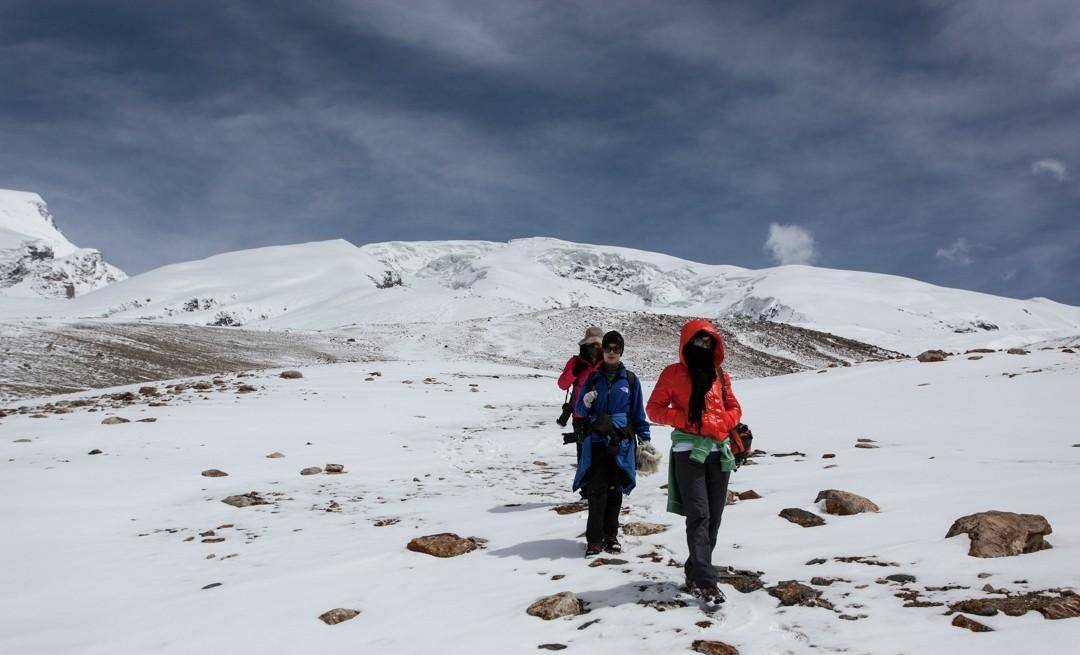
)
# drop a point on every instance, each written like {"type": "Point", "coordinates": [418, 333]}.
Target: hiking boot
{"type": "Point", "coordinates": [612, 546]}
{"type": "Point", "coordinates": [593, 549]}
{"type": "Point", "coordinates": [708, 594]}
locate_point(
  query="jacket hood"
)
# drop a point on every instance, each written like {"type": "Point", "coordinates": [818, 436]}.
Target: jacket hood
{"type": "Point", "coordinates": [701, 325]}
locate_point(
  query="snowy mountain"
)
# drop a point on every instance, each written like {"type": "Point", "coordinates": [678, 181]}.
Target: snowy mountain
{"type": "Point", "coordinates": [333, 283]}
{"type": "Point", "coordinates": [36, 260]}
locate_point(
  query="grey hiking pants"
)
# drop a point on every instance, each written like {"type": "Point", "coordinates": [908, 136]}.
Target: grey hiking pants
{"type": "Point", "coordinates": [703, 488]}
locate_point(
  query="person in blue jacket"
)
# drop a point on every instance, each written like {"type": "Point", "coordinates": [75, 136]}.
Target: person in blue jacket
{"type": "Point", "coordinates": [614, 407]}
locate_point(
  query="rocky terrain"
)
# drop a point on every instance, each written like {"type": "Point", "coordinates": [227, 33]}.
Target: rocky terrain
{"type": "Point", "coordinates": [60, 356]}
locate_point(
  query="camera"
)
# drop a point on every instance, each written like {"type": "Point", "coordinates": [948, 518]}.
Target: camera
{"type": "Point", "coordinates": [564, 418]}
{"type": "Point", "coordinates": [569, 438]}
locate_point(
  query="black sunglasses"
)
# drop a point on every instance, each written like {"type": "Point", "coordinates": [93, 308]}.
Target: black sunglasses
{"type": "Point", "coordinates": [613, 348]}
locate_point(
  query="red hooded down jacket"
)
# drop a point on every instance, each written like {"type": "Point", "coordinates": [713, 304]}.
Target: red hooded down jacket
{"type": "Point", "coordinates": [670, 400]}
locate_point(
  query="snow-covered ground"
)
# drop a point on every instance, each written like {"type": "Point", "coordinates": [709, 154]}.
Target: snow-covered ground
{"type": "Point", "coordinates": [97, 556]}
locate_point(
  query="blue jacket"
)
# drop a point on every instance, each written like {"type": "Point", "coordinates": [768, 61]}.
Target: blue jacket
{"type": "Point", "coordinates": [623, 402]}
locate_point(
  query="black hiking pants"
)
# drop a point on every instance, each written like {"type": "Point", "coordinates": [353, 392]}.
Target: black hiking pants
{"type": "Point", "coordinates": [605, 499]}
{"type": "Point", "coordinates": [703, 488]}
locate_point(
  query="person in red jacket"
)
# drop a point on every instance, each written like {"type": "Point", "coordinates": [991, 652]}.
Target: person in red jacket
{"type": "Point", "coordinates": [694, 396]}
{"type": "Point", "coordinates": [576, 372]}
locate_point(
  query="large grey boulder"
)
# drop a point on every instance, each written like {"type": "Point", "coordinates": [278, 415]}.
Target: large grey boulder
{"type": "Point", "coordinates": [1002, 534]}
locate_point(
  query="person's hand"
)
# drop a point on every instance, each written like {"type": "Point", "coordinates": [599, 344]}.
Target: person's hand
{"type": "Point", "coordinates": [589, 398]}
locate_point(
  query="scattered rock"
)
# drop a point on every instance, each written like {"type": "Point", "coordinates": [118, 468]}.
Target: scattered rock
{"type": "Point", "coordinates": [115, 420]}
{"type": "Point", "coordinates": [743, 581]}
{"type": "Point", "coordinates": [606, 561]}
{"type": "Point", "coordinates": [819, 581]}
{"type": "Point", "coordinates": [1065, 605]}
{"type": "Point", "coordinates": [445, 544]}
{"type": "Point", "coordinates": [214, 473]}
{"type": "Point", "coordinates": [246, 500]}
{"type": "Point", "coordinates": [213, 540]}
{"type": "Point", "coordinates": [551, 646]}
{"type": "Point", "coordinates": [902, 578]}
{"type": "Point", "coordinates": [802, 517]}
{"type": "Point", "coordinates": [202, 386]}
{"type": "Point", "coordinates": [335, 468]}
{"type": "Point", "coordinates": [828, 456]}
{"type": "Point", "coordinates": [979, 350]}
{"type": "Point", "coordinates": [749, 495]}
{"type": "Point", "coordinates": [932, 356]}
{"type": "Point", "coordinates": [274, 455]}
{"type": "Point", "coordinates": [96, 451]}
{"type": "Point", "coordinates": [338, 615]}
{"type": "Point", "coordinates": [311, 470]}
{"type": "Point", "coordinates": [1002, 534]}
{"type": "Point", "coordinates": [1017, 351]}
{"type": "Point", "coordinates": [571, 508]}
{"type": "Point", "coordinates": [845, 503]}
{"type": "Point", "coordinates": [1068, 350]}
{"type": "Point", "coordinates": [816, 560]}
{"type": "Point", "coordinates": [793, 453]}
{"type": "Point", "coordinates": [149, 419]}
{"type": "Point", "coordinates": [291, 375]}
{"type": "Point", "coordinates": [642, 529]}
{"type": "Point", "coordinates": [975, 357]}
{"type": "Point", "coordinates": [866, 445]}
{"type": "Point", "coordinates": [864, 559]}
{"type": "Point", "coordinates": [212, 585]}
{"type": "Point", "coordinates": [985, 575]}
{"type": "Point", "coordinates": [962, 621]}
{"type": "Point", "coordinates": [713, 648]}
{"type": "Point", "coordinates": [148, 391]}
{"type": "Point", "coordinates": [556, 606]}
{"type": "Point", "coordinates": [245, 388]}
{"type": "Point", "coordinates": [382, 523]}
{"type": "Point", "coordinates": [23, 441]}
{"type": "Point", "coordinates": [124, 396]}
{"type": "Point", "coordinates": [792, 592]}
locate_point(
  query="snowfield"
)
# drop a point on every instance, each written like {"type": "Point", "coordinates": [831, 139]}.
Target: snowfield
{"type": "Point", "coordinates": [330, 284]}
{"type": "Point", "coordinates": [103, 553]}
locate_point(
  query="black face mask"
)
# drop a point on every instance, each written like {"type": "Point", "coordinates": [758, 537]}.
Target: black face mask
{"type": "Point", "coordinates": [702, 375]}
{"type": "Point", "coordinates": [589, 352]}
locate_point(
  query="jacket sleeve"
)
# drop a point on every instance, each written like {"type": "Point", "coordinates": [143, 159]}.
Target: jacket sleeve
{"type": "Point", "coordinates": [567, 378]}
{"type": "Point", "coordinates": [659, 407]}
{"type": "Point", "coordinates": [716, 423]}
{"type": "Point", "coordinates": [637, 409]}
{"type": "Point", "coordinates": [579, 407]}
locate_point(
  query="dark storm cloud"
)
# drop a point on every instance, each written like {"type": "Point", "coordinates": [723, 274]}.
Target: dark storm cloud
{"type": "Point", "coordinates": [935, 140]}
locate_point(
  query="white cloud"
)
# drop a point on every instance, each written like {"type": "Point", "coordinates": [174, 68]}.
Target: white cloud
{"type": "Point", "coordinates": [1054, 168]}
{"type": "Point", "coordinates": [790, 244]}
{"type": "Point", "coordinates": [957, 253]}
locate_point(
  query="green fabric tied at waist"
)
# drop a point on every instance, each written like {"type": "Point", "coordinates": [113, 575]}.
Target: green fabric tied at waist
{"type": "Point", "coordinates": [702, 448]}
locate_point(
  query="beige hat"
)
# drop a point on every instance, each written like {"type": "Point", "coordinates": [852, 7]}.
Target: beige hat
{"type": "Point", "coordinates": [592, 335]}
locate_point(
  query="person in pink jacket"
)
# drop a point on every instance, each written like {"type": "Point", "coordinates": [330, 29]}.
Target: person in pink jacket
{"type": "Point", "coordinates": [576, 372]}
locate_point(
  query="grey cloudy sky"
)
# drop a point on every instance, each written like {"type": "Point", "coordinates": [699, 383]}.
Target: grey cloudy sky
{"type": "Point", "coordinates": [936, 139]}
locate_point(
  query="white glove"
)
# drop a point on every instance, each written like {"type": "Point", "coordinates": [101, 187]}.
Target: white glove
{"type": "Point", "coordinates": [589, 398]}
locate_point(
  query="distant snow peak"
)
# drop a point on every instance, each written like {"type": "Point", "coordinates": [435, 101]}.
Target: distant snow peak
{"type": "Point", "coordinates": [612, 272]}
{"type": "Point", "coordinates": [36, 260]}
{"type": "Point", "coordinates": [756, 308]}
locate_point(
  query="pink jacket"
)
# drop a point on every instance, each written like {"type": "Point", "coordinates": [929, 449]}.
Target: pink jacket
{"type": "Point", "coordinates": [578, 381]}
